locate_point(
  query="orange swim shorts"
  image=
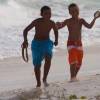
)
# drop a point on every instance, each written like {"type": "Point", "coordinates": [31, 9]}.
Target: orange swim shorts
{"type": "Point", "coordinates": [75, 52]}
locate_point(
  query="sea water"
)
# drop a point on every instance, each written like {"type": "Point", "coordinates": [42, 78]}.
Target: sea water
{"type": "Point", "coordinates": [15, 15]}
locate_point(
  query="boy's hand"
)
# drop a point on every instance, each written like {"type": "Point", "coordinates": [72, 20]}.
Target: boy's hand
{"type": "Point", "coordinates": [97, 14]}
{"type": "Point", "coordinates": [24, 44]}
{"type": "Point", "coordinates": [58, 25]}
{"type": "Point", "coordinates": [56, 43]}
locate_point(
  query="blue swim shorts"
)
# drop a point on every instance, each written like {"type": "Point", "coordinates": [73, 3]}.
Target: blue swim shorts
{"type": "Point", "coordinates": [40, 49]}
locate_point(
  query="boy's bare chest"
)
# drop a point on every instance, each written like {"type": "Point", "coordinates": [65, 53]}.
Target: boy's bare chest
{"type": "Point", "coordinates": [45, 26]}
{"type": "Point", "coordinates": [75, 25]}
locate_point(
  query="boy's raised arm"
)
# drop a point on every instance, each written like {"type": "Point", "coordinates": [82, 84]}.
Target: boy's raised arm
{"type": "Point", "coordinates": [56, 34]}
{"type": "Point", "coordinates": [87, 24]}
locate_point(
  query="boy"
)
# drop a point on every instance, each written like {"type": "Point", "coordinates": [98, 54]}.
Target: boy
{"type": "Point", "coordinates": [74, 43]}
{"type": "Point", "coordinates": [41, 45]}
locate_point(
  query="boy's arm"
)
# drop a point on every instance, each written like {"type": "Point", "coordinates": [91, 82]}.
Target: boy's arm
{"type": "Point", "coordinates": [87, 24]}
{"type": "Point", "coordinates": [25, 32]}
{"type": "Point", "coordinates": [29, 27]}
{"type": "Point", "coordinates": [61, 24]}
{"type": "Point", "coordinates": [55, 33]}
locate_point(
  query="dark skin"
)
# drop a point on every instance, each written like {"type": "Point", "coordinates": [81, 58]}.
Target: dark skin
{"type": "Point", "coordinates": [43, 27]}
{"type": "Point", "coordinates": [74, 25]}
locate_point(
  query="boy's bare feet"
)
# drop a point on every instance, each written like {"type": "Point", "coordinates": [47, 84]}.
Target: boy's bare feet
{"type": "Point", "coordinates": [38, 85]}
{"type": "Point", "coordinates": [45, 83]}
{"type": "Point", "coordinates": [74, 79]}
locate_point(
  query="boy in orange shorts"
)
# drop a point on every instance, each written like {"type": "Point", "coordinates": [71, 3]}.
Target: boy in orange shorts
{"type": "Point", "coordinates": [74, 43]}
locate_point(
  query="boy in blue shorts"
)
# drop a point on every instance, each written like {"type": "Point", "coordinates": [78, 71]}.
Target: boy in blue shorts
{"type": "Point", "coordinates": [41, 45]}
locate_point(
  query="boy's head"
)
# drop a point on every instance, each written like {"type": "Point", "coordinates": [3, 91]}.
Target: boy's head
{"type": "Point", "coordinates": [73, 10]}
{"type": "Point", "coordinates": [46, 12]}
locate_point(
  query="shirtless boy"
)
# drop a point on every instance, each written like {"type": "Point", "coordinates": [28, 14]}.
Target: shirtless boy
{"type": "Point", "coordinates": [74, 43]}
{"type": "Point", "coordinates": [42, 45]}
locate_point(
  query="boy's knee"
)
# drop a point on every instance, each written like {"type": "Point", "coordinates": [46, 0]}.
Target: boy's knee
{"type": "Point", "coordinates": [37, 67]}
{"type": "Point", "coordinates": [37, 62]}
{"type": "Point", "coordinates": [48, 59]}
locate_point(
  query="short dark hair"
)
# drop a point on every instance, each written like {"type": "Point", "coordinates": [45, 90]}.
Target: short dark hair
{"type": "Point", "coordinates": [72, 5]}
{"type": "Point", "coordinates": [45, 8]}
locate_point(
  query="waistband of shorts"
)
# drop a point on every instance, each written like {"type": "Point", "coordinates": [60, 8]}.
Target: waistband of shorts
{"type": "Point", "coordinates": [41, 41]}
{"type": "Point", "coordinates": [74, 43]}
{"type": "Point", "coordinates": [75, 47]}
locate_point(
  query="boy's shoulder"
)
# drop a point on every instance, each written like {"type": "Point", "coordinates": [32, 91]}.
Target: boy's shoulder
{"type": "Point", "coordinates": [81, 20]}
{"type": "Point", "coordinates": [35, 21]}
{"type": "Point", "coordinates": [41, 19]}
{"type": "Point", "coordinates": [67, 20]}
{"type": "Point", "coordinates": [38, 19]}
{"type": "Point", "coordinates": [71, 19]}
{"type": "Point", "coordinates": [52, 21]}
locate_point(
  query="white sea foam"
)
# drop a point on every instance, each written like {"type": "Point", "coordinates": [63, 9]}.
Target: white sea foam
{"type": "Point", "coordinates": [15, 15]}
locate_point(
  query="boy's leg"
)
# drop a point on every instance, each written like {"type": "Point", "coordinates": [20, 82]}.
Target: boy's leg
{"type": "Point", "coordinates": [79, 58]}
{"type": "Point", "coordinates": [46, 69]}
{"type": "Point", "coordinates": [37, 75]}
{"type": "Point", "coordinates": [37, 55]}
{"type": "Point", "coordinates": [48, 57]}
{"type": "Point", "coordinates": [77, 70]}
{"type": "Point", "coordinates": [73, 63]}
{"type": "Point", "coordinates": [73, 71]}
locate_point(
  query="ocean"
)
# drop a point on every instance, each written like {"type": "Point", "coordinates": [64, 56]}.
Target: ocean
{"type": "Point", "coordinates": [15, 15]}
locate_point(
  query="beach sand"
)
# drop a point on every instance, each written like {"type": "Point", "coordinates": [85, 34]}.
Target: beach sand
{"type": "Point", "coordinates": [17, 80]}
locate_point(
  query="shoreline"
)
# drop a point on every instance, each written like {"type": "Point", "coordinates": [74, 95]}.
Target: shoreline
{"type": "Point", "coordinates": [16, 76]}
{"type": "Point", "coordinates": [88, 87]}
